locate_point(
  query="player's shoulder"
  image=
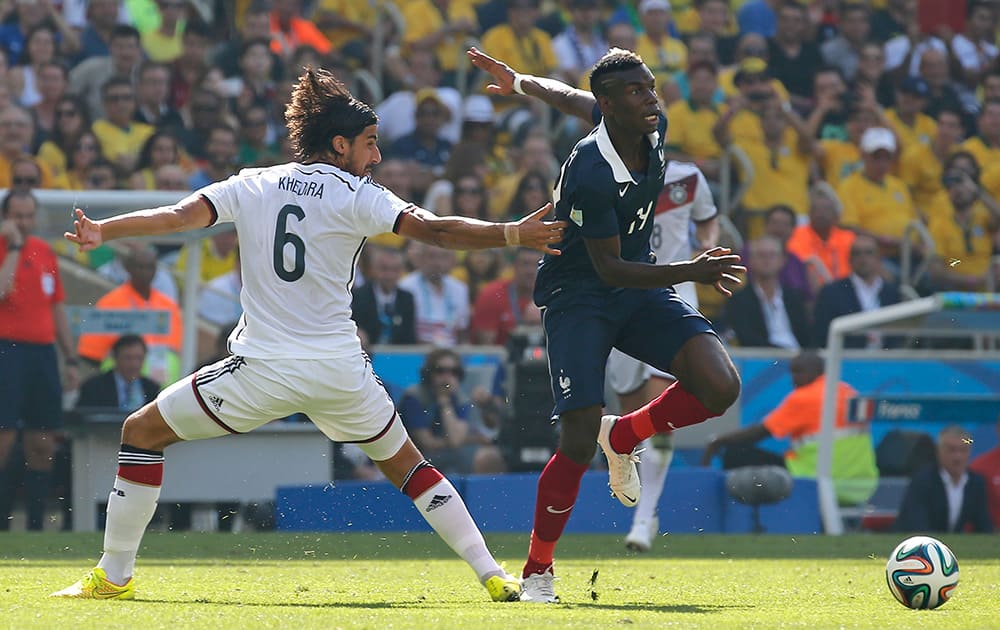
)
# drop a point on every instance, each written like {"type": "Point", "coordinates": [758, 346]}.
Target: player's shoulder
{"type": "Point", "coordinates": [679, 170]}
{"type": "Point", "coordinates": [587, 163]}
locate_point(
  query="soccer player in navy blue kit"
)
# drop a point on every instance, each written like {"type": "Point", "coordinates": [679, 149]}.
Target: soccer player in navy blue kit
{"type": "Point", "coordinates": [605, 291]}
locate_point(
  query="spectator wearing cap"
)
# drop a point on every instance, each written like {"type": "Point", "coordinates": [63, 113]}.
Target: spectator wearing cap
{"type": "Point", "coordinates": [290, 31]}
{"type": "Point", "coordinates": [426, 148]}
{"type": "Point", "coordinates": [691, 122]}
{"type": "Point", "coordinates": [975, 48]}
{"type": "Point", "coordinates": [581, 43]}
{"type": "Point", "coordinates": [920, 165]}
{"type": "Point", "coordinates": [877, 203]}
{"type": "Point", "coordinates": [479, 128]}
{"type": "Point", "coordinates": [840, 158]}
{"type": "Point", "coordinates": [758, 16]}
{"type": "Point", "coordinates": [907, 119]}
{"type": "Point", "coordinates": [844, 50]}
{"type": "Point", "coordinates": [396, 114]}
{"type": "Point", "coordinates": [822, 244]}
{"type": "Point", "coordinates": [442, 26]}
{"type": "Point", "coordinates": [963, 223]}
{"type": "Point", "coordinates": [794, 57]}
{"type": "Point", "coordinates": [780, 166]}
{"type": "Point", "coordinates": [985, 145]}
{"type": "Point", "coordinates": [740, 121]}
{"type": "Point", "coordinates": [750, 45]}
{"type": "Point", "coordinates": [663, 54]}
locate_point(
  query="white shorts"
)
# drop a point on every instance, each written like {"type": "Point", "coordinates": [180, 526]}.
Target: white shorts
{"type": "Point", "coordinates": [626, 374]}
{"type": "Point", "coordinates": [342, 397]}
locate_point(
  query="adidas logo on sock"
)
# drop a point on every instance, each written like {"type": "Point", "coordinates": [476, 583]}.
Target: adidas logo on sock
{"type": "Point", "coordinates": [216, 401]}
{"type": "Point", "coordinates": [118, 492]}
{"type": "Point", "coordinates": [438, 501]}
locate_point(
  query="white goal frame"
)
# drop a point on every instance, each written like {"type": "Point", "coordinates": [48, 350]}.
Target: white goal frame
{"type": "Point", "coordinates": [839, 329]}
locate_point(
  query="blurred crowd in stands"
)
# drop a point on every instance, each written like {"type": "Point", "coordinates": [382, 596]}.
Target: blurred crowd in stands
{"type": "Point", "coordinates": [846, 142]}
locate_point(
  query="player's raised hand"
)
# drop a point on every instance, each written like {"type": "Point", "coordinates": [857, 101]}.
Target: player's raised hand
{"type": "Point", "coordinates": [87, 233]}
{"type": "Point", "coordinates": [717, 266]}
{"type": "Point", "coordinates": [535, 233]}
{"type": "Point", "coordinates": [503, 75]}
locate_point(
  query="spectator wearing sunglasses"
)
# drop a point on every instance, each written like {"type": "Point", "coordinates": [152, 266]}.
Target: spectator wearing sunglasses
{"type": "Point", "coordinates": [441, 417]}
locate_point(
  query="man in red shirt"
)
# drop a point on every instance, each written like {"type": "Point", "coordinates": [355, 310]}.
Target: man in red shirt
{"type": "Point", "coordinates": [32, 320]}
{"type": "Point", "coordinates": [988, 465]}
{"type": "Point", "coordinates": [505, 304]}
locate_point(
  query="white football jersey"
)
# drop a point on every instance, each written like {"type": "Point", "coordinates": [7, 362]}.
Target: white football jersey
{"type": "Point", "coordinates": [685, 197]}
{"type": "Point", "coordinates": [301, 229]}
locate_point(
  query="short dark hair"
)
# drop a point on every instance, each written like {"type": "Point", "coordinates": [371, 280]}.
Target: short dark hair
{"type": "Point", "coordinates": [322, 108]}
{"type": "Point", "coordinates": [122, 31]}
{"type": "Point", "coordinates": [971, 7]}
{"type": "Point", "coordinates": [114, 82]}
{"type": "Point", "coordinates": [778, 208]}
{"type": "Point", "coordinates": [198, 28]}
{"type": "Point", "coordinates": [125, 341]}
{"type": "Point", "coordinates": [221, 127]}
{"type": "Point", "coordinates": [614, 61]}
{"type": "Point", "coordinates": [250, 43]}
{"type": "Point", "coordinates": [963, 155]}
{"type": "Point", "coordinates": [149, 64]}
{"type": "Point", "coordinates": [15, 194]}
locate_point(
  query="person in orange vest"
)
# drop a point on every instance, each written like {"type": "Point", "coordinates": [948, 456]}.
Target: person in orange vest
{"type": "Point", "coordinates": [138, 293]}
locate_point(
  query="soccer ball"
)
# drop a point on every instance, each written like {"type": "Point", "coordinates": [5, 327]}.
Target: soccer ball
{"type": "Point", "coordinates": [922, 572]}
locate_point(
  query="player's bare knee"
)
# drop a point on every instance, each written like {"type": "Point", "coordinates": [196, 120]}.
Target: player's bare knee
{"type": "Point", "coordinates": [146, 429]}
{"type": "Point", "coordinates": [723, 392]}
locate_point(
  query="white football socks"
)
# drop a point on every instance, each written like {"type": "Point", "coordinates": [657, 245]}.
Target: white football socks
{"type": "Point", "coordinates": [130, 508]}
{"type": "Point", "coordinates": [445, 511]}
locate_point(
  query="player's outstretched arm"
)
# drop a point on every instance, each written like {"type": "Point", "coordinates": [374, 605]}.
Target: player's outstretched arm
{"type": "Point", "coordinates": [187, 214]}
{"type": "Point", "coordinates": [454, 232]}
{"type": "Point", "coordinates": [506, 81]}
{"type": "Point", "coordinates": [717, 266]}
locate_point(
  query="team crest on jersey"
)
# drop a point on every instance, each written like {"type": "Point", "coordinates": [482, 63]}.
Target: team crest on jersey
{"type": "Point", "coordinates": [677, 194]}
{"type": "Point", "coordinates": [576, 216]}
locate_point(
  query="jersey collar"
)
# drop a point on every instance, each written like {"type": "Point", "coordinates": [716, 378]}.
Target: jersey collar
{"type": "Point", "coordinates": [610, 154]}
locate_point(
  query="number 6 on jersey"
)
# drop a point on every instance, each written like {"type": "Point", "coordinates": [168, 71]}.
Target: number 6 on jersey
{"type": "Point", "coordinates": [283, 237]}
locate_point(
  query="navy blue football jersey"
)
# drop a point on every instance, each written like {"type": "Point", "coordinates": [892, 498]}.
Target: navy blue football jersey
{"type": "Point", "coordinates": [599, 197]}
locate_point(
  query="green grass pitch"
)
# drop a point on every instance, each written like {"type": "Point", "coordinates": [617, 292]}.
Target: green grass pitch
{"type": "Point", "coordinates": [394, 580]}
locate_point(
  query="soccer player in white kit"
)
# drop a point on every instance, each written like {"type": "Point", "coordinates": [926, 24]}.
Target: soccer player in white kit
{"type": "Point", "coordinates": [302, 226]}
{"type": "Point", "coordinates": [685, 199]}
